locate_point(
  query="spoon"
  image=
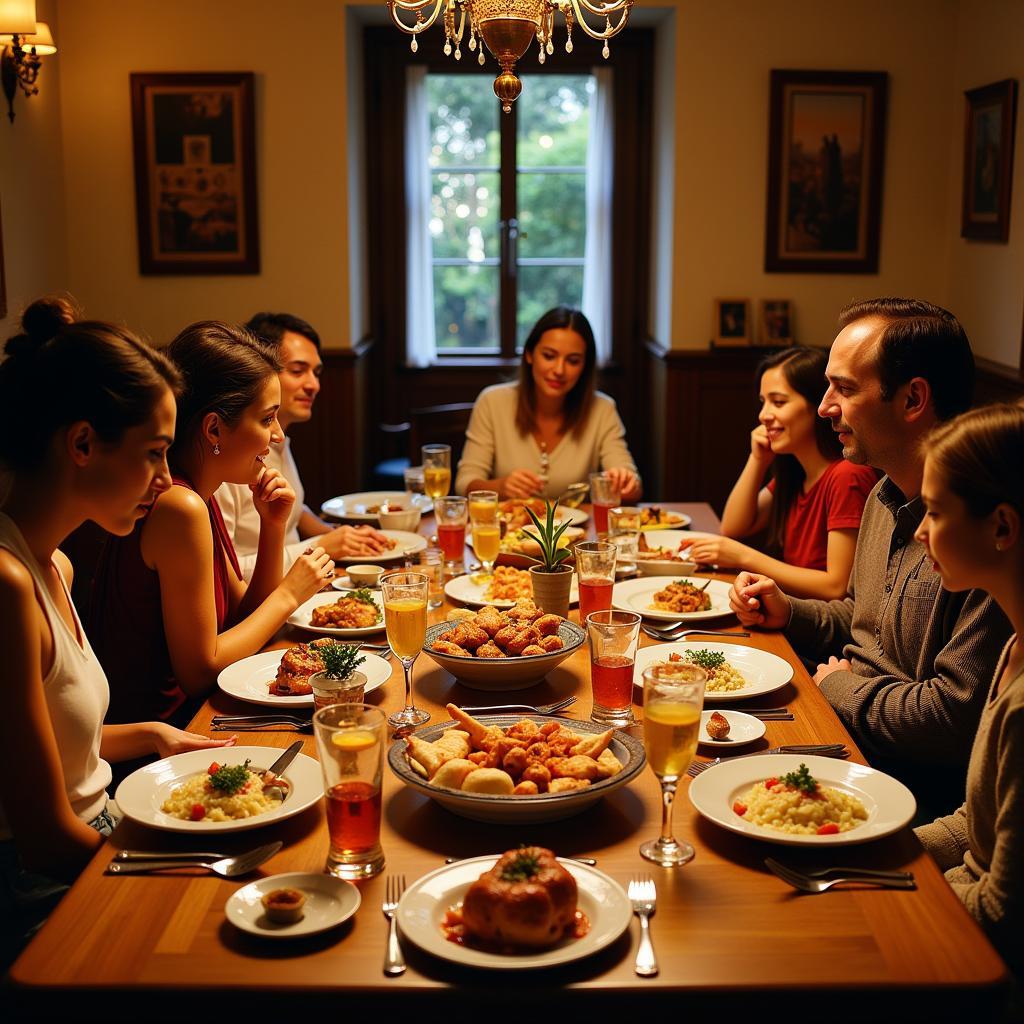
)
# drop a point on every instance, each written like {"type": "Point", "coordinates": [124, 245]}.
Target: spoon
{"type": "Point", "coordinates": [226, 867]}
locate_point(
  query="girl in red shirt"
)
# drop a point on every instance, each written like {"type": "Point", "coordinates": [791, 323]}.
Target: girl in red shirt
{"type": "Point", "coordinates": [810, 510]}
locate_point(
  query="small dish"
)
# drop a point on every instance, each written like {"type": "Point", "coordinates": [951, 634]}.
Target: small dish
{"type": "Point", "coordinates": [407, 519]}
{"type": "Point", "coordinates": [329, 902]}
{"type": "Point", "coordinates": [743, 729]}
{"type": "Point", "coordinates": [365, 575]}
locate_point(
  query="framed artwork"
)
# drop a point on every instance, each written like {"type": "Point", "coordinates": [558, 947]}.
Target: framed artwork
{"type": "Point", "coordinates": [195, 173]}
{"type": "Point", "coordinates": [776, 322]}
{"type": "Point", "coordinates": [989, 118]}
{"type": "Point", "coordinates": [826, 150]}
{"type": "Point", "coordinates": [732, 322]}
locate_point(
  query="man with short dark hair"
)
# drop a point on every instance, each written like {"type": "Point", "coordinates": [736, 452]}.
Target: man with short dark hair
{"type": "Point", "coordinates": [916, 660]}
{"type": "Point", "coordinates": [298, 349]}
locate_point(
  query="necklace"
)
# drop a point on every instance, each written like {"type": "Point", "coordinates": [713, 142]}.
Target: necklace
{"type": "Point", "coordinates": [545, 462]}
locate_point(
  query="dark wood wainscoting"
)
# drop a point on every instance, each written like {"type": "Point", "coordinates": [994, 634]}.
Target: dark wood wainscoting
{"type": "Point", "coordinates": [998, 383]}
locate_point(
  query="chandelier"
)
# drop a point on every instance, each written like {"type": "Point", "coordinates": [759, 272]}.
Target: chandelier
{"type": "Point", "coordinates": [507, 27]}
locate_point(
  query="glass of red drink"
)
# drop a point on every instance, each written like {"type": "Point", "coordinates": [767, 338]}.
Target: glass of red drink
{"type": "Point", "coordinates": [450, 514]}
{"type": "Point", "coordinates": [603, 495]}
{"type": "Point", "coordinates": [613, 636]}
{"type": "Point", "coordinates": [350, 742]}
{"type": "Point", "coordinates": [595, 575]}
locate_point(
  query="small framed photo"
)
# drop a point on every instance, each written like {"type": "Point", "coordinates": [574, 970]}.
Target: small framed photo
{"type": "Point", "coordinates": [195, 173]}
{"type": "Point", "coordinates": [776, 322]}
{"type": "Point", "coordinates": [989, 114]}
{"type": "Point", "coordinates": [732, 322]}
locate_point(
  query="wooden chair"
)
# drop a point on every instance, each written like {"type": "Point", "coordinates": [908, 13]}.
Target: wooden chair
{"type": "Point", "coordinates": [432, 424]}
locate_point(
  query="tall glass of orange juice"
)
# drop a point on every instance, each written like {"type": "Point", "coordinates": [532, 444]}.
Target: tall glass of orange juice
{"type": "Point", "coordinates": [673, 699]}
{"type": "Point", "coordinates": [405, 618]}
{"type": "Point", "coordinates": [437, 469]}
{"type": "Point", "coordinates": [483, 515]}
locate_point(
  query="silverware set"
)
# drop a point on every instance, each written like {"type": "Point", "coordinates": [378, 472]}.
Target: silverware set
{"type": "Point", "coordinates": [138, 862]}
{"type": "Point", "coordinates": [543, 709]}
{"type": "Point", "coordinates": [259, 723]}
{"type": "Point", "coordinates": [680, 632]}
{"type": "Point", "coordinates": [820, 749]}
{"type": "Point", "coordinates": [820, 881]}
{"type": "Point", "coordinates": [644, 899]}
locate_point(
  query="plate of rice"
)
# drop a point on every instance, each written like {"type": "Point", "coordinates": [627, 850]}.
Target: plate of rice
{"type": "Point", "coordinates": [802, 800]}
{"type": "Point", "coordinates": [501, 589]}
{"type": "Point", "coordinates": [166, 794]}
{"type": "Point", "coordinates": [734, 672]}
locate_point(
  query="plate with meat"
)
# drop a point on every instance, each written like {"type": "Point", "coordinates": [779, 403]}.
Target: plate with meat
{"type": "Point", "coordinates": [281, 678]}
{"type": "Point", "coordinates": [342, 615]}
{"type": "Point", "coordinates": [654, 518]}
{"type": "Point", "coordinates": [400, 543]}
{"type": "Point", "coordinates": [365, 506]}
{"type": "Point", "coordinates": [482, 891]}
{"type": "Point", "coordinates": [680, 599]}
{"type": "Point", "coordinates": [666, 552]}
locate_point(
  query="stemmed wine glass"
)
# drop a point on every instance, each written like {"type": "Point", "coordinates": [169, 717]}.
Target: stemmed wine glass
{"type": "Point", "coordinates": [405, 618]}
{"type": "Point", "coordinates": [673, 698]}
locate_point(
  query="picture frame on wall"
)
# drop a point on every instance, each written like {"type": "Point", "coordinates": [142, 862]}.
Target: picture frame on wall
{"type": "Point", "coordinates": [731, 323]}
{"type": "Point", "coordinates": [990, 114]}
{"type": "Point", "coordinates": [775, 322]}
{"type": "Point", "coordinates": [195, 172]}
{"type": "Point", "coordinates": [826, 155]}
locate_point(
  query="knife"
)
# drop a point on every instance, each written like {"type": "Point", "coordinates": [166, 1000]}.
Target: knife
{"type": "Point", "coordinates": [285, 759]}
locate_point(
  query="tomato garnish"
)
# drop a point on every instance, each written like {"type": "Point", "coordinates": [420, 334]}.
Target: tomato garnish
{"type": "Point", "coordinates": [770, 783]}
{"type": "Point", "coordinates": [828, 829]}
{"type": "Point", "coordinates": [198, 812]}
{"type": "Point", "coordinates": [213, 769]}
{"type": "Point", "coordinates": [739, 808]}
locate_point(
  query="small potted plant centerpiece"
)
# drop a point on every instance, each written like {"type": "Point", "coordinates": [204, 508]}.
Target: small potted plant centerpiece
{"type": "Point", "coordinates": [552, 579]}
{"type": "Point", "coordinates": [339, 682]}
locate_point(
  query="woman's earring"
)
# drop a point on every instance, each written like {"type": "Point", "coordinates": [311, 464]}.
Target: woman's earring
{"type": "Point", "coordinates": [216, 449]}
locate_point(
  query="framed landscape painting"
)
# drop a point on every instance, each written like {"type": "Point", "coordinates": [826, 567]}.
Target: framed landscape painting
{"type": "Point", "coordinates": [990, 116]}
{"type": "Point", "coordinates": [825, 160]}
{"type": "Point", "coordinates": [195, 173]}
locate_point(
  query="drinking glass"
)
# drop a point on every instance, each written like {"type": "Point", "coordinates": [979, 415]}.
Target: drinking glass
{"type": "Point", "coordinates": [673, 698]}
{"type": "Point", "coordinates": [350, 742]}
{"type": "Point", "coordinates": [405, 618]}
{"type": "Point", "coordinates": [624, 533]}
{"type": "Point", "coordinates": [483, 514]}
{"type": "Point", "coordinates": [450, 516]}
{"type": "Point", "coordinates": [613, 636]}
{"type": "Point", "coordinates": [595, 573]}
{"type": "Point", "coordinates": [437, 469]}
{"type": "Point", "coordinates": [413, 478]}
{"type": "Point", "coordinates": [603, 495]}
{"type": "Point", "coordinates": [432, 564]}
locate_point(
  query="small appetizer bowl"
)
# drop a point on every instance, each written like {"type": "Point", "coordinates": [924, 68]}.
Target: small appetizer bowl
{"type": "Point", "coordinates": [407, 519]}
{"type": "Point", "coordinates": [365, 575]}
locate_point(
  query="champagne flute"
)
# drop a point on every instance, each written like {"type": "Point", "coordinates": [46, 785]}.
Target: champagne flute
{"type": "Point", "coordinates": [673, 698]}
{"type": "Point", "coordinates": [437, 469]}
{"type": "Point", "coordinates": [405, 618]}
{"type": "Point", "coordinates": [483, 514]}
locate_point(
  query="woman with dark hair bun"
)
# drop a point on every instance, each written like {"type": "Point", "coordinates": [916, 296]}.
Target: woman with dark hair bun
{"type": "Point", "coordinates": [811, 509]}
{"type": "Point", "coordinates": [169, 608]}
{"type": "Point", "coordinates": [551, 428]}
{"type": "Point", "coordinates": [86, 416]}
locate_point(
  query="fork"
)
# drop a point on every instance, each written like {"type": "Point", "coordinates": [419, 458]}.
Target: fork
{"type": "Point", "coordinates": [821, 749]}
{"type": "Point", "coordinates": [227, 867]}
{"type": "Point", "coordinates": [256, 723]}
{"type": "Point", "coordinates": [543, 709]}
{"type": "Point", "coordinates": [805, 883]}
{"type": "Point", "coordinates": [675, 633]}
{"type": "Point", "coordinates": [771, 863]}
{"type": "Point", "coordinates": [644, 897]}
{"type": "Point", "coordinates": [394, 962]}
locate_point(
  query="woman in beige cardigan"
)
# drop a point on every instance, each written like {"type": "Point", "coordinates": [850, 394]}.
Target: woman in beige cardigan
{"type": "Point", "coordinates": [551, 428]}
{"type": "Point", "coordinates": [973, 492]}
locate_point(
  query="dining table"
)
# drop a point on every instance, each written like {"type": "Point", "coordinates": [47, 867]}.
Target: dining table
{"type": "Point", "coordinates": [729, 935]}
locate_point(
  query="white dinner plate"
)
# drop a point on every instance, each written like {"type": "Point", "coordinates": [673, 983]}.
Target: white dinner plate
{"type": "Point", "coordinates": [670, 539]}
{"type": "Point", "coordinates": [329, 901]}
{"type": "Point", "coordinates": [249, 678]}
{"type": "Point", "coordinates": [576, 516]}
{"type": "Point", "coordinates": [638, 596]}
{"type": "Point", "coordinates": [679, 521]}
{"type": "Point", "coordinates": [354, 506]}
{"type": "Point", "coordinates": [471, 589]}
{"type": "Point", "coordinates": [890, 805]}
{"type": "Point", "coordinates": [763, 672]}
{"type": "Point", "coordinates": [143, 793]}
{"type": "Point", "coordinates": [302, 616]}
{"type": "Point", "coordinates": [743, 729]}
{"type": "Point", "coordinates": [406, 543]}
{"type": "Point", "coordinates": [423, 906]}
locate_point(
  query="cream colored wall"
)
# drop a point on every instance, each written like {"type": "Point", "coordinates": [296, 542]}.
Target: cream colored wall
{"type": "Point", "coordinates": [32, 189]}
{"type": "Point", "coordinates": [297, 52]}
{"type": "Point", "coordinates": [986, 279]}
{"type": "Point", "coordinates": [725, 53]}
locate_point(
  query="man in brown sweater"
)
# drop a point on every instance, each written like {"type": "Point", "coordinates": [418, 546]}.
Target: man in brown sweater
{"type": "Point", "coordinates": [905, 663]}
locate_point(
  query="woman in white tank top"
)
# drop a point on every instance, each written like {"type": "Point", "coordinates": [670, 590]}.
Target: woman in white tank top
{"type": "Point", "coordinates": [87, 413]}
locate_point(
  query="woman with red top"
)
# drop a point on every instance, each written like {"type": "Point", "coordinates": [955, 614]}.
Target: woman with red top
{"type": "Point", "coordinates": [811, 509]}
{"type": "Point", "coordinates": [169, 608]}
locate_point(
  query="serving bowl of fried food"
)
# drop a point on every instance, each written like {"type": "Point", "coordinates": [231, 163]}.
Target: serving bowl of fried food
{"type": "Point", "coordinates": [514, 770]}
{"type": "Point", "coordinates": [503, 650]}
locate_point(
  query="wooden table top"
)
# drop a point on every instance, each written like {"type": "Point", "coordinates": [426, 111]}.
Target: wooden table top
{"type": "Point", "coordinates": [727, 932]}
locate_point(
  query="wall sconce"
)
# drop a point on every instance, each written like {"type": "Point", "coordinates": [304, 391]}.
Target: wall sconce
{"type": "Point", "coordinates": [23, 41]}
